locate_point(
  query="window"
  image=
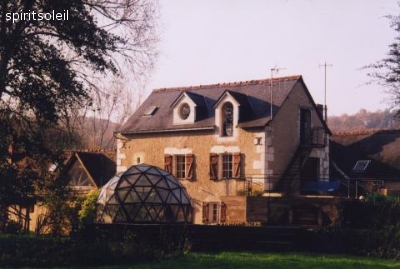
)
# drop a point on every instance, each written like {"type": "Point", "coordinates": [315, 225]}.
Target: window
{"type": "Point", "coordinates": [150, 111]}
{"type": "Point", "coordinates": [214, 212]}
{"type": "Point", "coordinates": [361, 165]}
{"type": "Point", "coordinates": [79, 177]}
{"type": "Point", "coordinates": [227, 119]}
{"type": "Point", "coordinates": [180, 165]}
{"type": "Point", "coordinates": [184, 111]}
{"type": "Point", "coordinates": [225, 166]}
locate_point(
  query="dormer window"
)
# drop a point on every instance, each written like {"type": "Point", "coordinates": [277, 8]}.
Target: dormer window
{"type": "Point", "coordinates": [184, 111]}
{"type": "Point", "coordinates": [186, 108]}
{"type": "Point", "coordinates": [227, 119]}
{"type": "Point", "coordinates": [227, 109]}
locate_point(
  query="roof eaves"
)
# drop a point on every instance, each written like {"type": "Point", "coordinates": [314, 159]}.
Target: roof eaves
{"type": "Point", "coordinates": [205, 128]}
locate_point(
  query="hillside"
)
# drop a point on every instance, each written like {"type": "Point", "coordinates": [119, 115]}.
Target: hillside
{"type": "Point", "coordinates": [365, 120]}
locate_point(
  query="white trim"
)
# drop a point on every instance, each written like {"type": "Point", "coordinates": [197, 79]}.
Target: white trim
{"type": "Point", "coordinates": [177, 120]}
{"type": "Point", "coordinates": [178, 151]}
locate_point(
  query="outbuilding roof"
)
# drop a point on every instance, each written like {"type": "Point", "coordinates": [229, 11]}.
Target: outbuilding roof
{"type": "Point", "coordinates": [380, 147]}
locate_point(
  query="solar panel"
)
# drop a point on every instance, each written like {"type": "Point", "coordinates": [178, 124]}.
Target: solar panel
{"type": "Point", "coordinates": [361, 165]}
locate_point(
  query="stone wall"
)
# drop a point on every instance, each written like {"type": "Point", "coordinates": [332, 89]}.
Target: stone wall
{"type": "Point", "coordinates": [151, 148]}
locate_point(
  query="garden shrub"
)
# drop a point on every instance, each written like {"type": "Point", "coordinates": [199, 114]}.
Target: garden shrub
{"type": "Point", "coordinates": [93, 246]}
{"type": "Point", "coordinates": [370, 227]}
{"type": "Point", "coordinates": [375, 212]}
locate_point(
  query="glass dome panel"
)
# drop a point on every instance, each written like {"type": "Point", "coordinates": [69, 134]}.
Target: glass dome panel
{"type": "Point", "coordinates": [164, 194]}
{"type": "Point", "coordinates": [153, 197]}
{"type": "Point", "coordinates": [124, 183]}
{"type": "Point", "coordinates": [142, 181]}
{"type": "Point", "coordinates": [132, 197]}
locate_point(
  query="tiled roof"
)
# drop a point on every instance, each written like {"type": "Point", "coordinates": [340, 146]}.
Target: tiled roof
{"type": "Point", "coordinates": [379, 146]}
{"type": "Point", "coordinates": [256, 93]}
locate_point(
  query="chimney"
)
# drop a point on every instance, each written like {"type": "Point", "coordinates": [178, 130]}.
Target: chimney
{"type": "Point", "coordinates": [320, 109]}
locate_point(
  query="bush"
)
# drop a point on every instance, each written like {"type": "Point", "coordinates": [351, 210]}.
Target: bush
{"type": "Point", "coordinates": [375, 212]}
{"type": "Point", "coordinates": [95, 245]}
{"type": "Point", "coordinates": [370, 227]}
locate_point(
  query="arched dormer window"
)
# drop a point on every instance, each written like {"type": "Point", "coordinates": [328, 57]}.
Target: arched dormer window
{"type": "Point", "coordinates": [227, 119]}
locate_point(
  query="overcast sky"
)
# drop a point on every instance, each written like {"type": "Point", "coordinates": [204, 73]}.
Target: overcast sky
{"type": "Point", "coordinates": [216, 41]}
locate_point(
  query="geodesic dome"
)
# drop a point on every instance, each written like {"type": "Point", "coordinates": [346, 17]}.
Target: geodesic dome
{"type": "Point", "coordinates": [143, 194]}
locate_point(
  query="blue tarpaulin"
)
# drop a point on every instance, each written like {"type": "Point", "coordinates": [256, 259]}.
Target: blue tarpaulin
{"type": "Point", "coordinates": [321, 186]}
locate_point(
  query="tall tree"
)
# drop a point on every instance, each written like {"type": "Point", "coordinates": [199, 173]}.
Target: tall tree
{"type": "Point", "coordinates": [50, 64]}
{"type": "Point", "coordinates": [387, 71]}
{"type": "Point", "coordinates": [47, 63]}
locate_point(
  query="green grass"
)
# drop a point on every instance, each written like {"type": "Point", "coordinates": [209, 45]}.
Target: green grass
{"type": "Point", "coordinates": [231, 260]}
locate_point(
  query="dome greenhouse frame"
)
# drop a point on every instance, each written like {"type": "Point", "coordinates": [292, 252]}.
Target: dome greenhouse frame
{"type": "Point", "coordinates": [144, 194]}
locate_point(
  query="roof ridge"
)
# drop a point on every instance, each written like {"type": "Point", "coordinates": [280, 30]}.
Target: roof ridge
{"type": "Point", "coordinates": [229, 84]}
{"type": "Point", "coordinates": [366, 132]}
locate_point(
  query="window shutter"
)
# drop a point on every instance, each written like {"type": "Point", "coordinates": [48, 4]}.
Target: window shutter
{"type": "Point", "coordinates": [206, 212]}
{"type": "Point", "coordinates": [168, 163]}
{"type": "Point", "coordinates": [237, 165]}
{"type": "Point", "coordinates": [223, 212]}
{"type": "Point", "coordinates": [189, 166]}
{"type": "Point", "coordinates": [213, 166]}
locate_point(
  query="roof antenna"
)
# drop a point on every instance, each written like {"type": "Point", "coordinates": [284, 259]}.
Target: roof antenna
{"type": "Point", "coordinates": [325, 107]}
{"type": "Point", "coordinates": [276, 70]}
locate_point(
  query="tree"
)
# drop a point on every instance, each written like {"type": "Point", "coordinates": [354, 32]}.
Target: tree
{"type": "Point", "coordinates": [46, 65]}
{"type": "Point", "coordinates": [96, 123]}
{"type": "Point", "coordinates": [50, 67]}
{"type": "Point", "coordinates": [387, 71]}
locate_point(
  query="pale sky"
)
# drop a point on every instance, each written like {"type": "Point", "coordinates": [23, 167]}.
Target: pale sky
{"type": "Point", "coordinates": [216, 41]}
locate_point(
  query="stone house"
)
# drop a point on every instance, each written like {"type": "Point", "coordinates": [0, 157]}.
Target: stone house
{"type": "Point", "coordinates": [226, 142]}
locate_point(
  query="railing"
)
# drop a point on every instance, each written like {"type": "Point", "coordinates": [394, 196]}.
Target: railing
{"type": "Point", "coordinates": [317, 138]}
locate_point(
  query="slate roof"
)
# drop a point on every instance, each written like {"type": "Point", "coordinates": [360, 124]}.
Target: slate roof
{"type": "Point", "coordinates": [379, 146]}
{"type": "Point", "coordinates": [254, 94]}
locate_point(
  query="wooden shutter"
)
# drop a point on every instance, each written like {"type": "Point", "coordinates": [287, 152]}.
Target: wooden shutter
{"type": "Point", "coordinates": [206, 212]}
{"type": "Point", "coordinates": [168, 163]}
{"type": "Point", "coordinates": [213, 166]}
{"type": "Point", "coordinates": [189, 166]}
{"type": "Point", "coordinates": [237, 165]}
{"type": "Point", "coordinates": [223, 212]}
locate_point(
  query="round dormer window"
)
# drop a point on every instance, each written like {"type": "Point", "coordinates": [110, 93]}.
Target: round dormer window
{"type": "Point", "coordinates": [184, 111]}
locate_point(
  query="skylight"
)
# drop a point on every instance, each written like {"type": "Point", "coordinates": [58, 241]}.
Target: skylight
{"type": "Point", "coordinates": [150, 111]}
{"type": "Point", "coordinates": [361, 165]}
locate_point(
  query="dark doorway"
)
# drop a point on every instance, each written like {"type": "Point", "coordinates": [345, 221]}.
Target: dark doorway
{"type": "Point", "coordinates": [310, 171]}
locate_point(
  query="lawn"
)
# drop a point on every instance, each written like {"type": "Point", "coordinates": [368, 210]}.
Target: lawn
{"type": "Point", "coordinates": [231, 260]}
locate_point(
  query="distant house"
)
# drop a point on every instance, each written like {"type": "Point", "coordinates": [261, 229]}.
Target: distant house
{"type": "Point", "coordinates": [368, 160]}
{"type": "Point", "coordinates": [87, 170]}
{"type": "Point", "coordinates": [227, 141]}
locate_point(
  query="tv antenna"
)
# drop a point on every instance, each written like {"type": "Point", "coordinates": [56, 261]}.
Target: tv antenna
{"type": "Point", "coordinates": [325, 108]}
{"type": "Point", "coordinates": [273, 70]}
